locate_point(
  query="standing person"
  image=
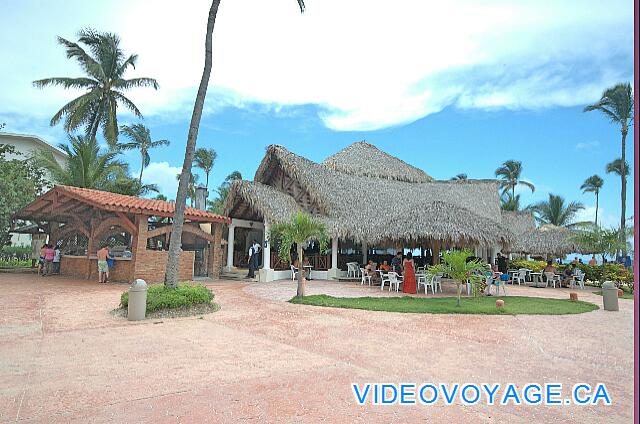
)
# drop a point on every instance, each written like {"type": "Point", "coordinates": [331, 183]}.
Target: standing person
{"type": "Point", "coordinates": [49, 254]}
{"type": "Point", "coordinates": [503, 264]}
{"type": "Point", "coordinates": [396, 263]}
{"type": "Point", "coordinates": [592, 261]}
{"type": "Point", "coordinates": [37, 243]}
{"type": "Point", "coordinates": [103, 266]}
{"type": "Point", "coordinates": [56, 260]}
{"type": "Point", "coordinates": [409, 282]}
{"type": "Point", "coordinates": [253, 256]}
{"type": "Point", "coordinates": [43, 248]}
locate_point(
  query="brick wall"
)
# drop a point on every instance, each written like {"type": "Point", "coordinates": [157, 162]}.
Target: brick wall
{"type": "Point", "coordinates": [80, 266]}
{"type": "Point", "coordinates": [151, 264]}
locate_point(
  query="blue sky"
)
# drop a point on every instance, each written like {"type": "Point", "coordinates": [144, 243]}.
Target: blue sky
{"type": "Point", "coordinates": [451, 88]}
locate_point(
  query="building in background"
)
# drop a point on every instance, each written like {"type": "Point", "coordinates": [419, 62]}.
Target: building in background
{"type": "Point", "coordinates": [26, 146]}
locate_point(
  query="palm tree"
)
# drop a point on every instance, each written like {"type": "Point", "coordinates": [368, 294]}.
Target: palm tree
{"type": "Point", "coordinates": [509, 202]}
{"type": "Point", "coordinates": [593, 184]}
{"type": "Point", "coordinates": [205, 159]}
{"type": "Point", "coordinates": [459, 177]}
{"type": "Point", "coordinates": [509, 173]}
{"type": "Point", "coordinates": [301, 229]}
{"type": "Point", "coordinates": [616, 104]}
{"type": "Point", "coordinates": [173, 258]}
{"type": "Point", "coordinates": [217, 204]}
{"type": "Point", "coordinates": [456, 265]}
{"type": "Point", "coordinates": [555, 211]}
{"type": "Point", "coordinates": [86, 165]}
{"type": "Point", "coordinates": [140, 139]}
{"type": "Point", "coordinates": [125, 184]}
{"type": "Point", "coordinates": [103, 84]}
{"type": "Point", "coordinates": [191, 187]}
{"type": "Point", "coordinates": [599, 241]}
{"type": "Point", "coordinates": [615, 167]}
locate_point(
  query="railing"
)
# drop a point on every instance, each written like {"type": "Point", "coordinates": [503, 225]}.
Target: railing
{"type": "Point", "coordinates": [319, 262]}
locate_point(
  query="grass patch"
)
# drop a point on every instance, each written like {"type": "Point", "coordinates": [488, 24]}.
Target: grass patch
{"type": "Point", "coordinates": [514, 305]}
{"type": "Point", "coordinates": [184, 296]}
{"type": "Point", "coordinates": [625, 295]}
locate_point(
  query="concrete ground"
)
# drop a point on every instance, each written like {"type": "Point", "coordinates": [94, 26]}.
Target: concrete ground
{"type": "Point", "coordinates": [65, 358]}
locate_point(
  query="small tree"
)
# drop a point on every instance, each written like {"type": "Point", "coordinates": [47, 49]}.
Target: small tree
{"type": "Point", "coordinates": [454, 263]}
{"type": "Point", "coordinates": [301, 229]}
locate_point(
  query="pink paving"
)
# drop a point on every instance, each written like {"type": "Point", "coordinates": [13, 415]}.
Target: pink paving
{"type": "Point", "coordinates": [65, 358]}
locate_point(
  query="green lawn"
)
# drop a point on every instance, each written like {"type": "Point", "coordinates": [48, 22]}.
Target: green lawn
{"type": "Point", "coordinates": [514, 305]}
{"type": "Point", "coordinates": [626, 295]}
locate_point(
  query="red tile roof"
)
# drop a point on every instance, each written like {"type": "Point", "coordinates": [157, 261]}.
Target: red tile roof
{"type": "Point", "coordinates": [130, 204]}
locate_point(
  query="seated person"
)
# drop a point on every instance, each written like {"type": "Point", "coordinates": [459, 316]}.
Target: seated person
{"type": "Point", "coordinates": [385, 266]}
{"type": "Point", "coordinates": [495, 273]}
{"type": "Point", "coordinates": [370, 270]}
{"type": "Point", "coordinates": [568, 273]}
{"type": "Point", "coordinates": [549, 268]}
{"type": "Point", "coordinates": [396, 263]}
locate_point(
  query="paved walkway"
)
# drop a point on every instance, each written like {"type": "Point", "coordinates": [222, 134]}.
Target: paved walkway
{"type": "Point", "coordinates": [65, 358]}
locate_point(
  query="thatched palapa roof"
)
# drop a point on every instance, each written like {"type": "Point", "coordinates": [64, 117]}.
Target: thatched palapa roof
{"type": "Point", "coordinates": [362, 203]}
{"type": "Point", "coordinates": [547, 240]}
{"type": "Point", "coordinates": [366, 160]}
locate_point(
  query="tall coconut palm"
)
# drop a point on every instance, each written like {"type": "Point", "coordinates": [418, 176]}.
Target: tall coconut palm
{"type": "Point", "coordinates": [104, 65]}
{"type": "Point", "coordinates": [616, 104]}
{"type": "Point", "coordinates": [459, 177]}
{"type": "Point", "coordinates": [301, 229]}
{"type": "Point", "coordinates": [171, 275]}
{"type": "Point", "coordinates": [205, 159]}
{"type": "Point", "coordinates": [86, 166]}
{"type": "Point", "coordinates": [140, 139]}
{"type": "Point", "coordinates": [615, 167]}
{"type": "Point", "coordinates": [593, 184]}
{"type": "Point", "coordinates": [509, 174]}
{"type": "Point", "coordinates": [555, 211]}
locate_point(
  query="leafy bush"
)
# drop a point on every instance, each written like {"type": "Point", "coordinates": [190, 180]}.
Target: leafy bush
{"type": "Point", "coordinates": [16, 251]}
{"type": "Point", "coordinates": [161, 297]}
{"type": "Point", "coordinates": [535, 266]}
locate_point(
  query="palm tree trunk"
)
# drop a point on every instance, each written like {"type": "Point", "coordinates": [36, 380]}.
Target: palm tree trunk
{"type": "Point", "coordinates": [300, 272]}
{"type": "Point", "coordinates": [597, 208]}
{"type": "Point", "coordinates": [141, 169]}
{"type": "Point", "coordinates": [623, 193]}
{"type": "Point", "coordinates": [459, 287]}
{"type": "Point", "coordinates": [173, 258]}
{"type": "Point", "coordinates": [206, 184]}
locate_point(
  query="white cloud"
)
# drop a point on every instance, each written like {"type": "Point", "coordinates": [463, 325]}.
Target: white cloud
{"type": "Point", "coordinates": [605, 219]}
{"type": "Point", "coordinates": [163, 175]}
{"type": "Point", "coordinates": [366, 63]}
{"type": "Point", "coordinates": [588, 145]}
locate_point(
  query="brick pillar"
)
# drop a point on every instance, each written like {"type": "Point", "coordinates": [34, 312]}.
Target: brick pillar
{"type": "Point", "coordinates": [216, 250]}
{"type": "Point", "coordinates": [139, 244]}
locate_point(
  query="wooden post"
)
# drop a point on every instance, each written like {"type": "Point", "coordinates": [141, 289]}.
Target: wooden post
{"type": "Point", "coordinates": [437, 244]}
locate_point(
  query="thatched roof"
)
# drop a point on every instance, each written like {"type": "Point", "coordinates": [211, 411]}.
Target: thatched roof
{"type": "Point", "coordinates": [521, 224]}
{"type": "Point", "coordinates": [370, 208]}
{"type": "Point", "coordinates": [547, 240]}
{"type": "Point", "coordinates": [366, 160]}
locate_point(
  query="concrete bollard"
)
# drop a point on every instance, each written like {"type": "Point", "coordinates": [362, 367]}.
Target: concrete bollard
{"type": "Point", "coordinates": [573, 296]}
{"type": "Point", "coordinates": [500, 304]}
{"type": "Point", "coordinates": [620, 292]}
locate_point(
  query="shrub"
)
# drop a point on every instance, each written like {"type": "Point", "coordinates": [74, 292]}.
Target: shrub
{"type": "Point", "coordinates": [535, 266]}
{"type": "Point", "coordinates": [161, 297]}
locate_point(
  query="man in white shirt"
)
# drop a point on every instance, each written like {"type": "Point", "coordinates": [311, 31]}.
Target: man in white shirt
{"type": "Point", "coordinates": [253, 259]}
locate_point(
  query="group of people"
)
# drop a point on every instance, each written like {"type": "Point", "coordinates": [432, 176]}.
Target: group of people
{"type": "Point", "coordinates": [49, 260]}
{"type": "Point", "coordinates": [404, 267]}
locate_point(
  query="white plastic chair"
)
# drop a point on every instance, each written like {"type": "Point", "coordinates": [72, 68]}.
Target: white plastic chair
{"type": "Point", "coordinates": [294, 271]}
{"type": "Point", "coordinates": [520, 277]}
{"type": "Point", "coordinates": [498, 283]}
{"type": "Point", "coordinates": [436, 283]}
{"type": "Point", "coordinates": [425, 280]}
{"type": "Point", "coordinates": [353, 270]}
{"type": "Point", "coordinates": [552, 278]}
{"type": "Point", "coordinates": [364, 277]}
{"type": "Point", "coordinates": [394, 280]}
{"type": "Point", "coordinates": [384, 278]}
{"type": "Point", "coordinates": [578, 278]}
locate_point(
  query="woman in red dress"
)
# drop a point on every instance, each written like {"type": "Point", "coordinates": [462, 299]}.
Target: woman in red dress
{"type": "Point", "coordinates": [409, 280]}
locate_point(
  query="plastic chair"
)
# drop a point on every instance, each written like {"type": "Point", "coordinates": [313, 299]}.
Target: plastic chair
{"type": "Point", "coordinates": [384, 279]}
{"type": "Point", "coordinates": [394, 280]}
{"type": "Point", "coordinates": [552, 278]}
{"type": "Point", "coordinates": [425, 280]}
{"type": "Point", "coordinates": [294, 271]}
{"type": "Point", "coordinates": [364, 277]}
{"type": "Point", "coordinates": [436, 282]}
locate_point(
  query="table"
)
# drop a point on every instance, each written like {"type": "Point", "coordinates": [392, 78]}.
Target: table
{"type": "Point", "coordinates": [536, 277]}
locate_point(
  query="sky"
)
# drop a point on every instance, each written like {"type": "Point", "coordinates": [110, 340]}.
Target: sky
{"type": "Point", "coordinates": [450, 87]}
